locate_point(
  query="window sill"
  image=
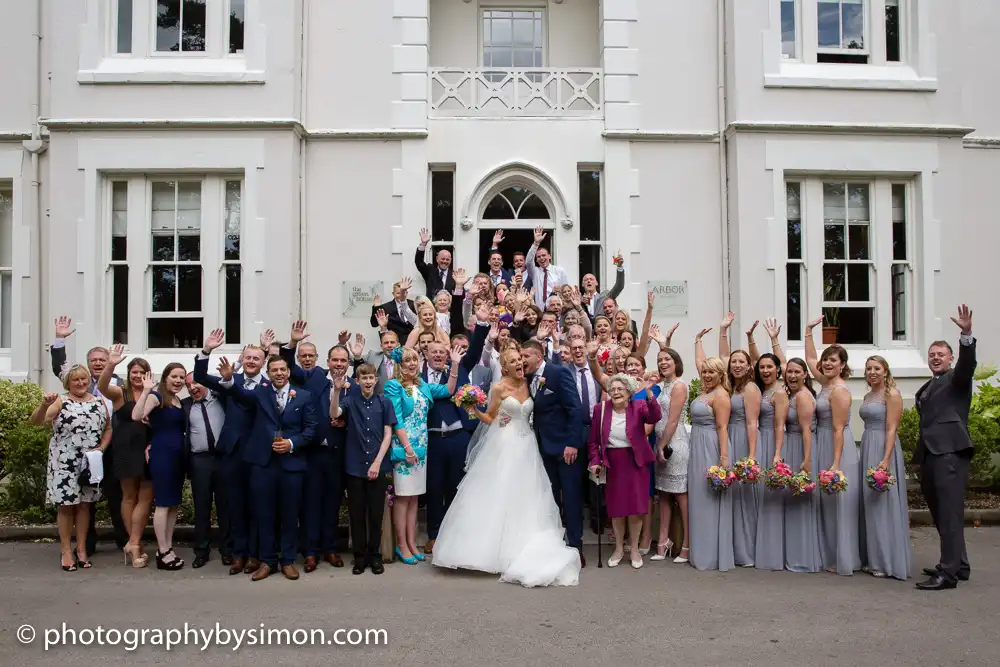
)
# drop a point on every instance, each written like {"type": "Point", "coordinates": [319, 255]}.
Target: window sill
{"type": "Point", "coordinates": [903, 362]}
{"type": "Point", "coordinates": [849, 77]}
{"type": "Point", "coordinates": [171, 70]}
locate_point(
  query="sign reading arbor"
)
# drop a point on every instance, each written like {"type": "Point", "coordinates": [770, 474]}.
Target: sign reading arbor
{"type": "Point", "coordinates": [671, 296]}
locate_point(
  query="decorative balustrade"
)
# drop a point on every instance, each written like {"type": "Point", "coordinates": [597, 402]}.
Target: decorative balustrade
{"type": "Point", "coordinates": [525, 92]}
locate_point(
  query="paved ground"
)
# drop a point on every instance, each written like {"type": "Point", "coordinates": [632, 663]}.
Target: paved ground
{"type": "Point", "coordinates": [663, 614]}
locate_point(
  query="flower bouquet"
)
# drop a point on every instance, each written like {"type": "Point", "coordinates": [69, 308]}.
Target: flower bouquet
{"type": "Point", "coordinates": [470, 397]}
{"type": "Point", "coordinates": [778, 477]}
{"type": "Point", "coordinates": [801, 483]}
{"type": "Point", "coordinates": [832, 481]}
{"type": "Point", "coordinates": [719, 478]}
{"type": "Point", "coordinates": [880, 480]}
{"type": "Point", "coordinates": [747, 470]}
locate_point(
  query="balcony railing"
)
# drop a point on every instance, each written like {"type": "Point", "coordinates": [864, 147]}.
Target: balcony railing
{"type": "Point", "coordinates": [527, 92]}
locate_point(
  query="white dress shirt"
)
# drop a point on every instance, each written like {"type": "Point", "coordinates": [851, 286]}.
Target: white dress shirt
{"type": "Point", "coordinates": [556, 276]}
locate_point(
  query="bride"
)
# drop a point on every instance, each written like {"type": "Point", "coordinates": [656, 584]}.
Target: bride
{"type": "Point", "coordinates": [504, 519]}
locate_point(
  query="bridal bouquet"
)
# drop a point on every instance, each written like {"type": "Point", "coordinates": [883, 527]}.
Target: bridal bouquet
{"type": "Point", "coordinates": [778, 477]}
{"type": "Point", "coordinates": [719, 478]}
{"type": "Point", "coordinates": [469, 398]}
{"type": "Point", "coordinates": [801, 483]}
{"type": "Point", "coordinates": [832, 481]}
{"type": "Point", "coordinates": [880, 480]}
{"type": "Point", "coordinates": [747, 470]}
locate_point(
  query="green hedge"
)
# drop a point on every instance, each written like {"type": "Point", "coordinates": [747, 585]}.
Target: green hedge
{"type": "Point", "coordinates": [24, 451]}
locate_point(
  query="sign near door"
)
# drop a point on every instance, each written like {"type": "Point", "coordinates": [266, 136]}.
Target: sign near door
{"type": "Point", "coordinates": [359, 296]}
{"type": "Point", "coordinates": [671, 296]}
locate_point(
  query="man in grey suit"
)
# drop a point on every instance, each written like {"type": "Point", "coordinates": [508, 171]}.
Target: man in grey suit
{"type": "Point", "coordinates": [944, 450]}
{"type": "Point", "coordinates": [380, 359]}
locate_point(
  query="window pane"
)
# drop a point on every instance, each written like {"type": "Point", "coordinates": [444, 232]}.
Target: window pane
{"type": "Point", "coordinates": [834, 277]}
{"type": "Point", "coordinates": [164, 204]}
{"type": "Point", "coordinates": [189, 289]}
{"type": "Point", "coordinates": [523, 58]}
{"type": "Point", "coordinates": [237, 19]}
{"type": "Point", "coordinates": [590, 261]}
{"type": "Point", "coordinates": [119, 304]}
{"type": "Point", "coordinates": [855, 325]}
{"type": "Point", "coordinates": [234, 295]}
{"type": "Point", "coordinates": [163, 248]}
{"type": "Point", "coordinates": [442, 205]}
{"type": "Point", "coordinates": [188, 206]}
{"type": "Point", "coordinates": [899, 281]}
{"type": "Point", "coordinates": [498, 209]}
{"type": "Point", "coordinates": [590, 206]}
{"type": "Point", "coordinates": [793, 214]}
{"type": "Point", "coordinates": [188, 248]}
{"type": "Point", "coordinates": [793, 303]}
{"type": "Point", "coordinates": [533, 209]}
{"type": "Point", "coordinates": [234, 219]}
{"type": "Point", "coordinates": [498, 57]}
{"type": "Point", "coordinates": [892, 31]}
{"type": "Point", "coordinates": [858, 279]}
{"type": "Point", "coordinates": [193, 25]}
{"type": "Point", "coordinates": [524, 32]}
{"type": "Point", "coordinates": [501, 30]}
{"type": "Point", "coordinates": [6, 227]}
{"type": "Point", "coordinates": [853, 16]}
{"type": "Point", "coordinates": [858, 239]}
{"type": "Point", "coordinates": [175, 332]}
{"type": "Point", "coordinates": [899, 222]}
{"type": "Point", "coordinates": [5, 308]}
{"type": "Point", "coordinates": [164, 289]}
{"type": "Point", "coordinates": [168, 25]}
{"type": "Point", "coordinates": [124, 26]}
{"type": "Point", "coordinates": [828, 23]}
{"type": "Point", "coordinates": [834, 238]}
{"type": "Point", "coordinates": [834, 202]}
{"type": "Point", "coordinates": [119, 249]}
{"type": "Point", "coordinates": [788, 28]}
{"type": "Point", "coordinates": [857, 203]}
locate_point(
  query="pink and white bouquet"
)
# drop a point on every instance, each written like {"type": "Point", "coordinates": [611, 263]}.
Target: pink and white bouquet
{"type": "Point", "coordinates": [801, 483]}
{"type": "Point", "coordinates": [469, 397]}
{"type": "Point", "coordinates": [832, 481]}
{"type": "Point", "coordinates": [778, 477]}
{"type": "Point", "coordinates": [719, 478]}
{"type": "Point", "coordinates": [747, 470]}
{"type": "Point", "coordinates": [880, 480]}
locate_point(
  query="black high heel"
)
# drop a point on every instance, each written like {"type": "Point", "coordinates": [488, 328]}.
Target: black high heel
{"type": "Point", "coordinates": [171, 565]}
{"type": "Point", "coordinates": [83, 564]}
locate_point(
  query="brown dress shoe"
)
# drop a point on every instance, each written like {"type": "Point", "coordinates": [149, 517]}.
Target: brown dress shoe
{"type": "Point", "coordinates": [262, 572]}
{"type": "Point", "coordinates": [429, 547]}
{"type": "Point", "coordinates": [310, 564]}
{"type": "Point", "coordinates": [237, 566]}
{"type": "Point", "coordinates": [290, 572]}
{"type": "Point", "coordinates": [334, 560]}
{"type": "Point", "coordinates": [252, 565]}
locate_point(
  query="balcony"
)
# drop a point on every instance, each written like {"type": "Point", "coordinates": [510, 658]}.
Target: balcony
{"type": "Point", "coordinates": [528, 92]}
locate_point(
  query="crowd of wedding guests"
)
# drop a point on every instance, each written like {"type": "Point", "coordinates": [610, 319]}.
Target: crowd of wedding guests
{"type": "Point", "coordinates": [274, 440]}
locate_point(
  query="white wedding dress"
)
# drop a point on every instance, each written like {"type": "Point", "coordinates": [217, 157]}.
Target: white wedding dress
{"type": "Point", "coordinates": [504, 519]}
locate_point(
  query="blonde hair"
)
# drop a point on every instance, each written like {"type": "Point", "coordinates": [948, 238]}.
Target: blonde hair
{"type": "Point", "coordinates": [628, 323]}
{"type": "Point", "coordinates": [397, 368]}
{"type": "Point", "coordinates": [75, 371]}
{"type": "Point", "coordinates": [890, 381]}
{"type": "Point", "coordinates": [716, 365]}
{"type": "Point", "coordinates": [505, 355]}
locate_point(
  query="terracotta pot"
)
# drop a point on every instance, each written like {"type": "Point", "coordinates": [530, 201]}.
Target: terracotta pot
{"type": "Point", "coordinates": [830, 335]}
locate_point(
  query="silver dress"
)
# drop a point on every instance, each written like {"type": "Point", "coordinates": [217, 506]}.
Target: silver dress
{"type": "Point", "coordinates": [802, 552]}
{"type": "Point", "coordinates": [744, 495]}
{"type": "Point", "coordinates": [770, 544]}
{"type": "Point", "coordinates": [710, 513]}
{"type": "Point", "coordinates": [672, 476]}
{"type": "Point", "coordinates": [840, 513]}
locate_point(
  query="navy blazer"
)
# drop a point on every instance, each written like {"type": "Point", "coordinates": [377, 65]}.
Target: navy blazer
{"type": "Point", "coordinates": [506, 276]}
{"type": "Point", "coordinates": [239, 419]}
{"type": "Point", "coordinates": [297, 423]}
{"type": "Point", "coordinates": [445, 411]}
{"type": "Point", "coordinates": [558, 413]}
{"type": "Point", "coordinates": [317, 383]}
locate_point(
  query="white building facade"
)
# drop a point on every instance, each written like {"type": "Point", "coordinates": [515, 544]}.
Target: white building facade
{"type": "Point", "coordinates": [169, 166]}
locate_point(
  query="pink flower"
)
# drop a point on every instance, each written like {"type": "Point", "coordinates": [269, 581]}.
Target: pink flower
{"type": "Point", "coordinates": [291, 393]}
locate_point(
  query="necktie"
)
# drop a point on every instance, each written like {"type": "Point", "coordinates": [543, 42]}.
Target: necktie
{"type": "Point", "coordinates": [545, 285]}
{"type": "Point", "coordinates": [388, 367]}
{"type": "Point", "coordinates": [586, 392]}
{"type": "Point", "coordinates": [424, 370]}
{"type": "Point", "coordinates": [208, 427]}
{"type": "Point", "coordinates": [443, 273]}
{"type": "Point", "coordinates": [248, 383]}
{"type": "Point", "coordinates": [282, 398]}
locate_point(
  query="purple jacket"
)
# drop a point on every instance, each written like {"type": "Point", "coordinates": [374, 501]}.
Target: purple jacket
{"type": "Point", "coordinates": [637, 415]}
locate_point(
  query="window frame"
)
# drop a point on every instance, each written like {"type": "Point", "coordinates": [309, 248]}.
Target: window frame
{"type": "Point", "coordinates": [143, 42]}
{"type": "Point", "coordinates": [601, 231]}
{"type": "Point", "coordinates": [523, 6]}
{"type": "Point", "coordinates": [866, 30]}
{"type": "Point", "coordinates": [7, 198]}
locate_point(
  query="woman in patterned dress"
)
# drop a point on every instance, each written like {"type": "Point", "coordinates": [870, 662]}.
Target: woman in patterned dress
{"type": "Point", "coordinates": [80, 423]}
{"type": "Point", "coordinates": [411, 399]}
{"type": "Point", "coordinates": [672, 437]}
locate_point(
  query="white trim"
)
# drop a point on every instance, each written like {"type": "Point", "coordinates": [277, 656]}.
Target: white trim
{"type": "Point", "coordinates": [662, 135]}
{"type": "Point", "coordinates": [167, 70]}
{"type": "Point", "coordinates": [173, 124]}
{"type": "Point", "coordinates": [981, 142]}
{"type": "Point", "coordinates": [365, 135]}
{"type": "Point", "coordinates": [516, 173]}
{"type": "Point", "coordinates": [847, 128]}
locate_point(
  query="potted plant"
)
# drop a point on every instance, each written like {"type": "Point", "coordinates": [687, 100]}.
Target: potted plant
{"type": "Point", "coordinates": [833, 290]}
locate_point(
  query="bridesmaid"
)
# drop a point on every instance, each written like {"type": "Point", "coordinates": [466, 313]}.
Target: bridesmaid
{"type": "Point", "coordinates": [886, 524]}
{"type": "Point", "coordinates": [839, 514]}
{"type": "Point", "coordinates": [710, 512]}
{"type": "Point", "coordinates": [796, 414]}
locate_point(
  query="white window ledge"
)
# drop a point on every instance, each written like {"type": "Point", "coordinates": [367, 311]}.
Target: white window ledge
{"type": "Point", "coordinates": [849, 77]}
{"type": "Point", "coordinates": [903, 362]}
{"type": "Point", "coordinates": [172, 70]}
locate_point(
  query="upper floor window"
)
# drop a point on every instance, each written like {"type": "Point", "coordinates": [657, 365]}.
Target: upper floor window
{"type": "Point", "coordinates": [196, 27]}
{"type": "Point", "coordinates": [842, 31]}
{"type": "Point", "coordinates": [512, 38]}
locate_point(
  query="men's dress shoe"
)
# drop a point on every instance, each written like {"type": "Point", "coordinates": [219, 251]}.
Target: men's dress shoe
{"type": "Point", "coordinates": [334, 560]}
{"type": "Point", "coordinates": [253, 564]}
{"type": "Point", "coordinates": [262, 572]}
{"type": "Point", "coordinates": [199, 561]}
{"type": "Point", "coordinates": [933, 572]}
{"type": "Point", "coordinates": [429, 547]}
{"type": "Point", "coordinates": [359, 566]}
{"type": "Point", "coordinates": [237, 566]}
{"type": "Point", "coordinates": [310, 564]}
{"type": "Point", "coordinates": [227, 560]}
{"type": "Point", "coordinates": [377, 567]}
{"type": "Point", "coordinates": [290, 572]}
{"type": "Point", "coordinates": [583, 559]}
{"type": "Point", "coordinates": [936, 583]}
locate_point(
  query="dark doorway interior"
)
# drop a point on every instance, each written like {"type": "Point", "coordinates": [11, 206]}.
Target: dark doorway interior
{"type": "Point", "coordinates": [513, 240]}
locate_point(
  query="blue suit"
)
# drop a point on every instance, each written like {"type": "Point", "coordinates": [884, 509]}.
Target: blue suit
{"type": "Point", "coordinates": [232, 440]}
{"type": "Point", "coordinates": [325, 481]}
{"type": "Point", "coordinates": [557, 419]}
{"type": "Point", "coordinates": [276, 480]}
{"type": "Point", "coordinates": [446, 451]}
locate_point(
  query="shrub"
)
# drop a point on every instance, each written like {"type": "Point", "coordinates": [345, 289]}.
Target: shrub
{"type": "Point", "coordinates": [24, 449]}
{"type": "Point", "coordinates": [694, 391]}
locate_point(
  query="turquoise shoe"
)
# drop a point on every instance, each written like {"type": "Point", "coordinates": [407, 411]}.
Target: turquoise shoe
{"type": "Point", "coordinates": [409, 561]}
{"type": "Point", "coordinates": [420, 557]}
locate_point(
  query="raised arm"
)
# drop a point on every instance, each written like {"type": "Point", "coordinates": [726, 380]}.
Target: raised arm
{"type": "Point", "coordinates": [113, 393]}
{"type": "Point", "coordinates": [812, 359]}
{"type": "Point", "coordinates": [751, 405]}
{"type": "Point", "coordinates": [965, 368]}
{"type": "Point", "coordinates": [619, 285]}
{"type": "Point", "coordinates": [643, 345]}
{"type": "Point", "coordinates": [595, 368]}
{"type": "Point", "coordinates": [421, 263]}
{"type": "Point", "coordinates": [64, 329]}
{"type": "Point", "coordinates": [147, 401]}
{"type": "Point", "coordinates": [47, 410]}
{"type": "Point", "coordinates": [699, 350]}
{"type": "Point", "coordinates": [773, 330]}
{"type": "Point", "coordinates": [752, 344]}
{"type": "Point", "coordinates": [779, 400]}
{"type": "Point", "coordinates": [724, 347]}
{"type": "Point", "coordinates": [287, 352]}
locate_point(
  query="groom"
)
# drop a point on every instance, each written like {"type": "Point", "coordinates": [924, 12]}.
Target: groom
{"type": "Point", "coordinates": [557, 415]}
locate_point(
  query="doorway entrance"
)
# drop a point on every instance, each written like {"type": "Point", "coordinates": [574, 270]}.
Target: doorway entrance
{"type": "Point", "coordinates": [520, 207]}
{"type": "Point", "coordinates": [514, 240]}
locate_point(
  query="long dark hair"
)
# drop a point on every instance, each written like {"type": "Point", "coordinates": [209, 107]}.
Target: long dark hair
{"type": "Point", "coordinates": [756, 369]}
{"type": "Point", "coordinates": [141, 363]}
{"type": "Point", "coordinates": [841, 354]}
{"type": "Point", "coordinates": [735, 384]}
{"type": "Point", "coordinates": [807, 382]}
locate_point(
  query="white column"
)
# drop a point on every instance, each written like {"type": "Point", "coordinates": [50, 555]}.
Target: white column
{"type": "Point", "coordinates": [409, 64]}
{"type": "Point", "coordinates": [620, 61]}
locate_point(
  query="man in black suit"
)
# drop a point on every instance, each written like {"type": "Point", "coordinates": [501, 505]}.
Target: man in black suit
{"type": "Point", "coordinates": [438, 277]}
{"type": "Point", "coordinates": [401, 312]}
{"type": "Point", "coordinates": [944, 450]}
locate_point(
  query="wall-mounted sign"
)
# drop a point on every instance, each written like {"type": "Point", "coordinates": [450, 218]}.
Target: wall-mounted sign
{"type": "Point", "coordinates": [671, 297]}
{"type": "Point", "coordinates": [359, 296]}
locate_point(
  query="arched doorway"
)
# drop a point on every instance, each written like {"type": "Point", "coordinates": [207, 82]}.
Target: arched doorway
{"type": "Point", "coordinates": [517, 210]}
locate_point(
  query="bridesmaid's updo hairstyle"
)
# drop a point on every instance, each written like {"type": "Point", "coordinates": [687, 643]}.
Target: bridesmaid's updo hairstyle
{"type": "Point", "coordinates": [737, 384]}
{"type": "Point", "coordinates": [716, 365]}
{"type": "Point", "coordinates": [841, 355]}
{"type": "Point", "coordinates": [806, 380]}
{"type": "Point", "coordinates": [890, 381]}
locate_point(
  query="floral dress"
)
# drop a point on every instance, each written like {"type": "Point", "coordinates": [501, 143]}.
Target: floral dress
{"type": "Point", "coordinates": [411, 480]}
{"type": "Point", "coordinates": [76, 430]}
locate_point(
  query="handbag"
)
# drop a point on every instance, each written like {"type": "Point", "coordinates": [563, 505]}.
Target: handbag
{"type": "Point", "coordinates": [601, 477]}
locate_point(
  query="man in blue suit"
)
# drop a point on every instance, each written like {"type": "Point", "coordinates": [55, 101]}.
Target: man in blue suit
{"type": "Point", "coordinates": [557, 418]}
{"type": "Point", "coordinates": [449, 427]}
{"type": "Point", "coordinates": [284, 427]}
{"type": "Point", "coordinates": [324, 482]}
{"type": "Point", "coordinates": [229, 447]}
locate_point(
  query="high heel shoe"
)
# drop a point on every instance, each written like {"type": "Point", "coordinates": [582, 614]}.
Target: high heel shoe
{"type": "Point", "coordinates": [419, 556]}
{"type": "Point", "coordinates": [68, 568]}
{"type": "Point", "coordinates": [681, 558]}
{"type": "Point", "coordinates": [667, 546]}
{"type": "Point", "coordinates": [613, 562]}
{"type": "Point", "coordinates": [171, 565]}
{"type": "Point", "coordinates": [138, 561]}
{"type": "Point", "coordinates": [408, 560]}
{"type": "Point", "coordinates": [83, 563]}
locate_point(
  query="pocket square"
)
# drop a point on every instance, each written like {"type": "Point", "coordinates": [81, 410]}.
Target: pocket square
{"type": "Point", "coordinates": [548, 392]}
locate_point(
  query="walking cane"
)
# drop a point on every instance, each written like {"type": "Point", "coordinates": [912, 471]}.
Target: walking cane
{"type": "Point", "coordinates": [600, 522]}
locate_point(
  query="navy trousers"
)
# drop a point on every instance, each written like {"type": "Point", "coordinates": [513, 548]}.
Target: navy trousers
{"type": "Point", "coordinates": [445, 469]}
{"type": "Point", "coordinates": [276, 490]}
{"type": "Point", "coordinates": [242, 529]}
{"type": "Point", "coordinates": [324, 490]}
{"type": "Point", "coordinates": [567, 487]}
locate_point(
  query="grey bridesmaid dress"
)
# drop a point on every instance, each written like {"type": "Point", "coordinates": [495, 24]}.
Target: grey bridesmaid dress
{"type": "Point", "coordinates": [710, 513]}
{"type": "Point", "coordinates": [802, 552]}
{"type": "Point", "coordinates": [744, 495]}
{"type": "Point", "coordinates": [886, 531]}
{"type": "Point", "coordinates": [770, 542]}
{"type": "Point", "coordinates": [840, 513]}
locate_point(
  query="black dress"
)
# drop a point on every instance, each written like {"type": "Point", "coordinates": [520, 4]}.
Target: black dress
{"type": "Point", "coordinates": [128, 444]}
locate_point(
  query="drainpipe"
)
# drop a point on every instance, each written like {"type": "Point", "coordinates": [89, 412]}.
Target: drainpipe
{"type": "Point", "coordinates": [723, 156]}
{"type": "Point", "coordinates": [303, 227]}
